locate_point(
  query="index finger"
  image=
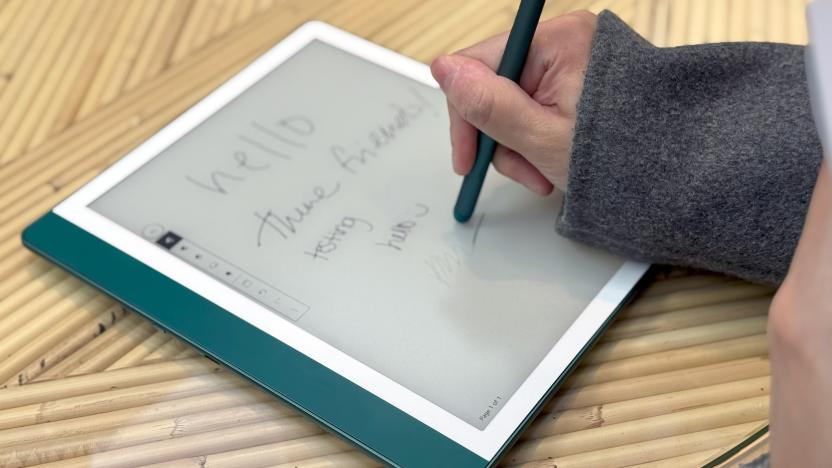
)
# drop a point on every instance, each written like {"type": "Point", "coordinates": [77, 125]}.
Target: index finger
{"type": "Point", "coordinates": [490, 52]}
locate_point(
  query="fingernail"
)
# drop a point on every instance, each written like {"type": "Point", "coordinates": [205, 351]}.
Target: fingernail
{"type": "Point", "coordinates": [531, 187]}
{"type": "Point", "coordinates": [536, 188]}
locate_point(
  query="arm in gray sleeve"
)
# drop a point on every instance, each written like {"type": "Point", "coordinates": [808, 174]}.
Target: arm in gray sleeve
{"type": "Point", "coordinates": [702, 156]}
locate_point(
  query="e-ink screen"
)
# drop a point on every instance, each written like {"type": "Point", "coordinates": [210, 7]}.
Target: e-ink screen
{"type": "Point", "coordinates": [324, 192]}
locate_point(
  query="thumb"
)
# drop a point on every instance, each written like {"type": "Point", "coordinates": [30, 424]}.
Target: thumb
{"type": "Point", "coordinates": [494, 104]}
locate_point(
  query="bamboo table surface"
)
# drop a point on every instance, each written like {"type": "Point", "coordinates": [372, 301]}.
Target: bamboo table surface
{"type": "Point", "coordinates": [681, 376]}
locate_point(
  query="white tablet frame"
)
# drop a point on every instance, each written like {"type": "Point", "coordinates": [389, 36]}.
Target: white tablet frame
{"type": "Point", "coordinates": [485, 443]}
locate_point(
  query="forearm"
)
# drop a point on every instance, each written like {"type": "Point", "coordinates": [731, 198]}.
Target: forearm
{"type": "Point", "coordinates": [701, 156]}
{"type": "Point", "coordinates": [799, 330]}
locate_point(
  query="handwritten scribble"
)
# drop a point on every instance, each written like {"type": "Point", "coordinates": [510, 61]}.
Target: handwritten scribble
{"type": "Point", "coordinates": [263, 147]}
{"type": "Point", "coordinates": [442, 266]}
{"type": "Point", "coordinates": [348, 159]}
{"type": "Point", "coordinates": [299, 124]}
{"type": "Point", "coordinates": [476, 231]}
{"type": "Point", "coordinates": [397, 235]}
{"type": "Point", "coordinates": [351, 159]}
{"type": "Point", "coordinates": [277, 136]}
{"type": "Point", "coordinates": [332, 240]}
{"type": "Point", "coordinates": [426, 104]}
{"type": "Point", "coordinates": [242, 160]}
{"type": "Point", "coordinates": [215, 185]}
{"type": "Point", "coordinates": [421, 210]}
{"type": "Point", "coordinates": [399, 232]}
{"type": "Point", "coordinates": [217, 179]}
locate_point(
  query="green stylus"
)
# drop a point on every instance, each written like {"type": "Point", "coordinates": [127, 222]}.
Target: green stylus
{"type": "Point", "coordinates": [511, 66]}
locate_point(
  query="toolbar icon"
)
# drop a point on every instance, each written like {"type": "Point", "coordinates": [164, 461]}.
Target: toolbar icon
{"type": "Point", "coordinates": [169, 240]}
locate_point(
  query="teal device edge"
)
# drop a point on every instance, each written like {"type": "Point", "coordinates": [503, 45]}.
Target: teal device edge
{"type": "Point", "coordinates": [343, 407]}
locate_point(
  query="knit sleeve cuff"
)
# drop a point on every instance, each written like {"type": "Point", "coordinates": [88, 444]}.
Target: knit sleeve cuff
{"type": "Point", "coordinates": [701, 156]}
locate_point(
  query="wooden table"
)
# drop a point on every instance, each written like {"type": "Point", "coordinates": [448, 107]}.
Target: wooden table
{"type": "Point", "coordinates": [682, 375]}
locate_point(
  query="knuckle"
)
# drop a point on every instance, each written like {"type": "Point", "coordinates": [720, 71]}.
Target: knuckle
{"type": "Point", "coordinates": [578, 20]}
{"type": "Point", "coordinates": [585, 15]}
{"type": "Point", "coordinates": [478, 106]}
{"type": "Point", "coordinates": [505, 161]}
{"type": "Point", "coordinates": [470, 51]}
{"type": "Point", "coordinates": [572, 22]}
{"type": "Point", "coordinates": [501, 167]}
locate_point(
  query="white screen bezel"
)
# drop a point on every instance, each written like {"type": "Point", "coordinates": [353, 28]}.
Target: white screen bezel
{"type": "Point", "coordinates": [485, 443]}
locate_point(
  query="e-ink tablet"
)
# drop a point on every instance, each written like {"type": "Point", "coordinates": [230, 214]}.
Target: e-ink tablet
{"type": "Point", "coordinates": [296, 226]}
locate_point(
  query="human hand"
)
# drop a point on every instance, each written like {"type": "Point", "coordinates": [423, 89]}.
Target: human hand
{"type": "Point", "coordinates": [800, 342]}
{"type": "Point", "coordinates": [532, 122]}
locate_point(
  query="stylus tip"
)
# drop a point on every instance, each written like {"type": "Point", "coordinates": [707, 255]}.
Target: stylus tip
{"type": "Point", "coordinates": [461, 215]}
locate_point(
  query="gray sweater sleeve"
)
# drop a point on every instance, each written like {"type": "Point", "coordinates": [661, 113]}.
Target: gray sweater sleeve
{"type": "Point", "coordinates": [701, 156]}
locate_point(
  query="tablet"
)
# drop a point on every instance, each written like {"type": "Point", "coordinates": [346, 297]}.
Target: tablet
{"type": "Point", "coordinates": [296, 226]}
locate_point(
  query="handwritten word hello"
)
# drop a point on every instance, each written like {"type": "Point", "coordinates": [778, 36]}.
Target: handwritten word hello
{"type": "Point", "coordinates": [282, 140]}
{"type": "Point", "coordinates": [217, 179]}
